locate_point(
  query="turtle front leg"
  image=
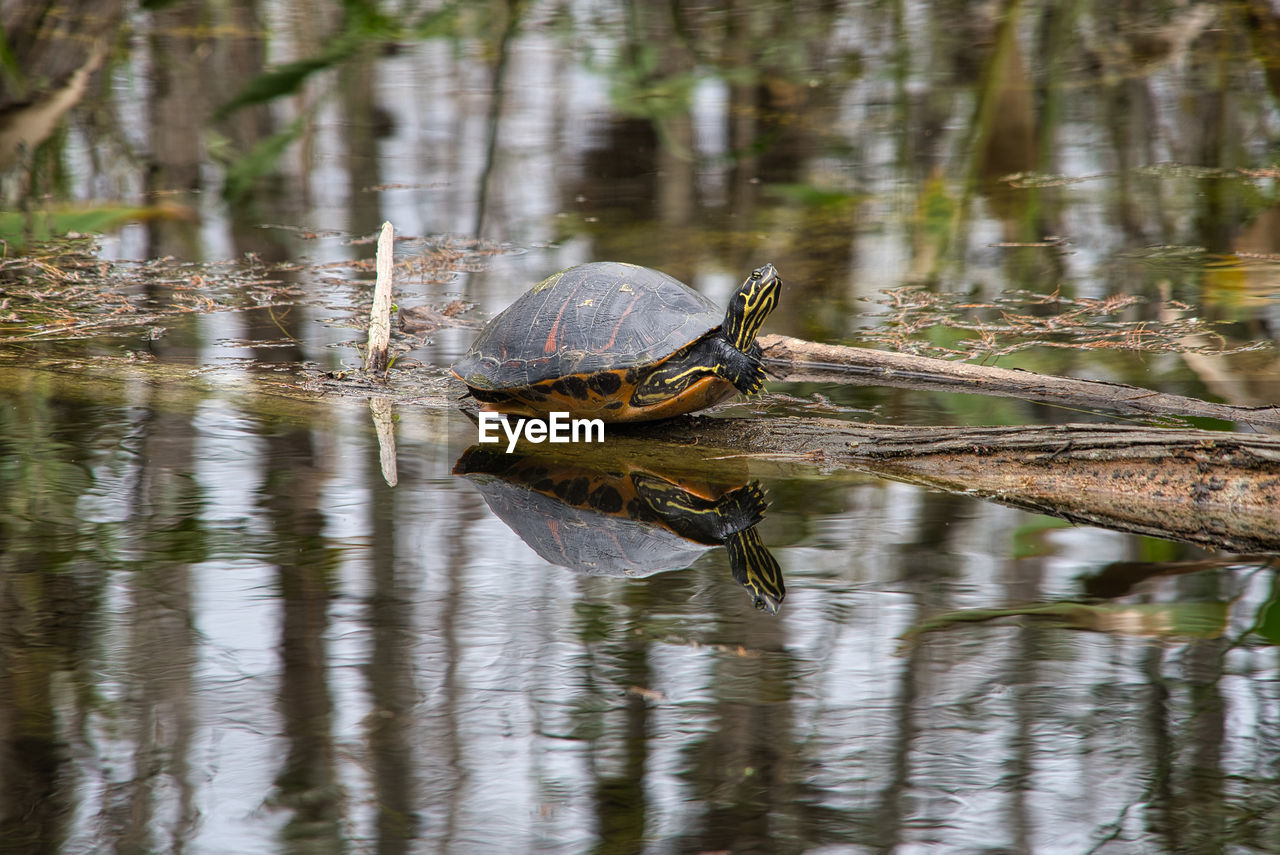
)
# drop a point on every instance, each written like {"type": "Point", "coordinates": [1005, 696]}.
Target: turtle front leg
{"type": "Point", "coordinates": [743, 370]}
{"type": "Point", "coordinates": [711, 358]}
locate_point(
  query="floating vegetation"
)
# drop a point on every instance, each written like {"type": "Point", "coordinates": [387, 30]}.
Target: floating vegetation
{"type": "Point", "coordinates": [1030, 179]}
{"type": "Point", "coordinates": [1021, 320]}
{"type": "Point", "coordinates": [62, 290]}
{"type": "Point", "coordinates": [18, 228]}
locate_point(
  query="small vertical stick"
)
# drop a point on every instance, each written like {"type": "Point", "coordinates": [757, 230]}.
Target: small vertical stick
{"type": "Point", "coordinates": [380, 318]}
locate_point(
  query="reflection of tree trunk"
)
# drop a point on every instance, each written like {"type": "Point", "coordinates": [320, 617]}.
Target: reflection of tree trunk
{"type": "Point", "coordinates": [1002, 141]}
{"type": "Point", "coordinates": [646, 168]}
{"type": "Point", "coordinates": [676, 176]}
{"type": "Point", "coordinates": [390, 674]}
{"type": "Point", "coordinates": [34, 802]}
{"type": "Point", "coordinates": [180, 100]}
{"type": "Point", "coordinates": [363, 123]}
{"type": "Point", "coordinates": [41, 614]}
{"type": "Point", "coordinates": [745, 771]}
{"type": "Point", "coordinates": [497, 98]}
{"type": "Point", "coordinates": [1130, 116]}
{"type": "Point", "coordinates": [49, 589]}
{"type": "Point", "coordinates": [450, 775]}
{"type": "Point", "coordinates": [777, 122]}
{"type": "Point", "coordinates": [938, 524]}
{"type": "Point", "coordinates": [179, 109]}
{"type": "Point", "coordinates": [1209, 131]}
{"type": "Point", "coordinates": [619, 174]}
{"type": "Point", "coordinates": [889, 811]}
{"type": "Point", "coordinates": [620, 801]}
{"type": "Point", "coordinates": [307, 782]}
{"type": "Point", "coordinates": [1186, 799]}
{"type": "Point", "coordinates": [749, 129]}
{"type": "Point", "coordinates": [238, 59]}
{"type": "Point", "coordinates": [162, 640]}
{"type": "Point", "coordinates": [1005, 136]}
{"type": "Point", "coordinates": [1200, 788]}
{"type": "Point", "coordinates": [1160, 815]}
{"type": "Point", "coordinates": [1022, 585]}
{"type": "Point", "coordinates": [1008, 145]}
{"type": "Point", "coordinates": [1262, 23]}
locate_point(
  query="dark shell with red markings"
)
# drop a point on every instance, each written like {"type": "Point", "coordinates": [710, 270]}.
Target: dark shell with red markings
{"type": "Point", "coordinates": [588, 325]}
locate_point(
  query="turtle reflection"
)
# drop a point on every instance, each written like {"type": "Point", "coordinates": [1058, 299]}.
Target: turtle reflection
{"type": "Point", "coordinates": [627, 521]}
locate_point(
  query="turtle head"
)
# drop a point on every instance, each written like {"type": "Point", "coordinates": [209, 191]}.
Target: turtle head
{"type": "Point", "coordinates": [750, 305]}
{"type": "Point", "coordinates": [755, 569]}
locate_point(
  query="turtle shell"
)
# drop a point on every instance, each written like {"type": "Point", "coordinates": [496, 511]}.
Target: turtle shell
{"type": "Point", "coordinates": [594, 318]}
{"type": "Point", "coordinates": [594, 521]}
{"type": "Point", "coordinates": [624, 519]}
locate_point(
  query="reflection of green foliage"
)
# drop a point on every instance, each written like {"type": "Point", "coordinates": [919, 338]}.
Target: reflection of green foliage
{"type": "Point", "coordinates": [980, 409]}
{"type": "Point", "coordinates": [16, 229]}
{"type": "Point", "coordinates": [288, 78]}
{"type": "Point", "coordinates": [805, 499]}
{"type": "Point", "coordinates": [595, 622]}
{"type": "Point", "coordinates": [1268, 625]}
{"type": "Point", "coordinates": [364, 26]}
{"type": "Point", "coordinates": [1028, 538]}
{"type": "Point", "coordinates": [261, 160]}
{"type": "Point", "coordinates": [820, 198]}
{"type": "Point", "coordinates": [10, 72]}
{"type": "Point", "coordinates": [639, 89]}
{"type": "Point", "coordinates": [936, 212]}
{"type": "Point", "coordinates": [185, 542]}
{"type": "Point", "coordinates": [1156, 549]}
{"type": "Point", "coordinates": [1206, 619]}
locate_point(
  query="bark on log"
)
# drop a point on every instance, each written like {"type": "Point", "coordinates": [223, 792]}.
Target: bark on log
{"type": "Point", "coordinates": [830, 363]}
{"type": "Point", "coordinates": [1216, 489]}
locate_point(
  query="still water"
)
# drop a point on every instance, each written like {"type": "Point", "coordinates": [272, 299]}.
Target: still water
{"type": "Point", "coordinates": [227, 626]}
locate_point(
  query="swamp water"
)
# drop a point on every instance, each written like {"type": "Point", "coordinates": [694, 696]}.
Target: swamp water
{"type": "Point", "coordinates": [233, 620]}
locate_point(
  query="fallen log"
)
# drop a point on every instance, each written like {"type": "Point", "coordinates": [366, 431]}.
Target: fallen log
{"type": "Point", "coordinates": [1215, 489]}
{"type": "Point", "coordinates": [798, 360]}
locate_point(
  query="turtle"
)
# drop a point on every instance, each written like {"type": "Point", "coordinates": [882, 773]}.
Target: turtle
{"type": "Point", "coordinates": [626, 520]}
{"type": "Point", "coordinates": [621, 343]}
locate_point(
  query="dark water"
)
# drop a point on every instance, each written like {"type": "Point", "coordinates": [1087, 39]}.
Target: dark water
{"type": "Point", "coordinates": [223, 631]}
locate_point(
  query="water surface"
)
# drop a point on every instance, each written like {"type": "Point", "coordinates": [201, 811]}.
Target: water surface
{"type": "Point", "coordinates": [222, 630]}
